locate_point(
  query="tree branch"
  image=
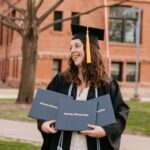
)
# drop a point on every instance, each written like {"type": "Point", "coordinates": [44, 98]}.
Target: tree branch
{"type": "Point", "coordinates": [31, 12]}
{"type": "Point", "coordinates": [39, 5]}
{"type": "Point", "coordinates": [12, 26]}
{"type": "Point", "coordinates": [81, 14]}
{"type": "Point", "coordinates": [11, 18]}
{"type": "Point", "coordinates": [45, 15]}
{"type": "Point", "coordinates": [21, 10]}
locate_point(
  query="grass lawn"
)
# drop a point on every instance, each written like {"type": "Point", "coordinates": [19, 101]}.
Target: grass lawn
{"type": "Point", "coordinates": [6, 144]}
{"type": "Point", "coordinates": [11, 101]}
{"type": "Point", "coordinates": [12, 111]}
{"type": "Point", "coordinates": [15, 114]}
{"type": "Point", "coordinates": [138, 120]}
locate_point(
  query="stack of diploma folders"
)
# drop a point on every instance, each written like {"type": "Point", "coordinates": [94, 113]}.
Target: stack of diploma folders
{"type": "Point", "coordinates": [69, 114]}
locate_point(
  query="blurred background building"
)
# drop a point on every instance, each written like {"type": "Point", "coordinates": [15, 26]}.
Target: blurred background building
{"type": "Point", "coordinates": [118, 48]}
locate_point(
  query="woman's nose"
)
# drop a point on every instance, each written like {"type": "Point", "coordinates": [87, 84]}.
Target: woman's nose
{"type": "Point", "coordinates": [72, 49]}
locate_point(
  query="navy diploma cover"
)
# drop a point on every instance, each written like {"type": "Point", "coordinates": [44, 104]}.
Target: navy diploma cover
{"type": "Point", "coordinates": [45, 104]}
{"type": "Point", "coordinates": [69, 114]}
{"type": "Point", "coordinates": [105, 113]}
{"type": "Point", "coordinates": [76, 115]}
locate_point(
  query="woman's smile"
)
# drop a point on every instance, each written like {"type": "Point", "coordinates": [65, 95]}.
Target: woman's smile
{"type": "Point", "coordinates": [77, 52]}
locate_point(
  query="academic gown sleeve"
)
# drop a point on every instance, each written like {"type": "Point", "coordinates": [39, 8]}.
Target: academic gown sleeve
{"type": "Point", "coordinates": [53, 86]}
{"type": "Point", "coordinates": [121, 110]}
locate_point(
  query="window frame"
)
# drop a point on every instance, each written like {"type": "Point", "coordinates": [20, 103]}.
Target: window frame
{"type": "Point", "coordinates": [120, 75]}
{"type": "Point", "coordinates": [54, 70]}
{"type": "Point", "coordinates": [124, 21]}
{"type": "Point", "coordinates": [58, 26]}
{"type": "Point", "coordinates": [75, 20]}
{"type": "Point", "coordinates": [130, 63]}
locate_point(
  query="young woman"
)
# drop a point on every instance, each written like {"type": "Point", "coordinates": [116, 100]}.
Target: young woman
{"type": "Point", "coordinates": [85, 78]}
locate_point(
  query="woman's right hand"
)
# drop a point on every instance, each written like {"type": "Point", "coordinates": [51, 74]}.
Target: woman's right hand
{"type": "Point", "coordinates": [49, 127]}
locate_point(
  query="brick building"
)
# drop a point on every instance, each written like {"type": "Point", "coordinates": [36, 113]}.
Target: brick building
{"type": "Point", "coordinates": [119, 45]}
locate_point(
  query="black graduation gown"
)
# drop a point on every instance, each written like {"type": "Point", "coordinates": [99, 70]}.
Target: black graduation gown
{"type": "Point", "coordinates": [112, 140]}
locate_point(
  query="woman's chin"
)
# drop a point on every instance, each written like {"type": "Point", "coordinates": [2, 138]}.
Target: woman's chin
{"type": "Point", "coordinates": [78, 65]}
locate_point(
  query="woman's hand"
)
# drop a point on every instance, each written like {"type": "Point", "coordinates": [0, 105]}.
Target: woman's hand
{"type": "Point", "coordinates": [48, 127]}
{"type": "Point", "coordinates": [97, 131]}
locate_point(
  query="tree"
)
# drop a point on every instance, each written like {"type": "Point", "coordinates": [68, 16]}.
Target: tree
{"type": "Point", "coordinates": [28, 27]}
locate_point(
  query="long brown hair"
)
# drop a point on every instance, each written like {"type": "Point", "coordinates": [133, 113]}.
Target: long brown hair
{"type": "Point", "coordinates": [93, 74]}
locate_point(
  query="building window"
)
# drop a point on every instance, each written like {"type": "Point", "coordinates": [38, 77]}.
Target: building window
{"type": "Point", "coordinates": [122, 24]}
{"type": "Point", "coordinates": [13, 14]}
{"type": "Point", "coordinates": [56, 66]}
{"type": "Point", "coordinates": [116, 71]}
{"type": "Point", "coordinates": [7, 36]}
{"type": "Point", "coordinates": [1, 34]}
{"type": "Point", "coordinates": [0, 70]}
{"type": "Point", "coordinates": [75, 20]}
{"type": "Point", "coordinates": [14, 67]}
{"type": "Point", "coordinates": [58, 16]}
{"type": "Point", "coordinates": [3, 69]}
{"type": "Point", "coordinates": [130, 72]}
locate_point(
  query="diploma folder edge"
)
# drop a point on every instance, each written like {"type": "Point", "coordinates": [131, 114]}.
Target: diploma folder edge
{"type": "Point", "coordinates": [76, 115]}
{"type": "Point", "coordinates": [45, 104]}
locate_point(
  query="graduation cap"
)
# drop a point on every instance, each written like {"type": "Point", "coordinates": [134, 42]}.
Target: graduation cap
{"type": "Point", "coordinates": [91, 35]}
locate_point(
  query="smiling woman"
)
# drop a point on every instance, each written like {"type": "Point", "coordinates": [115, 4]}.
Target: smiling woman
{"type": "Point", "coordinates": [86, 78]}
{"type": "Point", "coordinates": [77, 52]}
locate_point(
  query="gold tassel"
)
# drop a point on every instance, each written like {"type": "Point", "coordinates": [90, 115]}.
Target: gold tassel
{"type": "Point", "coordinates": [88, 52]}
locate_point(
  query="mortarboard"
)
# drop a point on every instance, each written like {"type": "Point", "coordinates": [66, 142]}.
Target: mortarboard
{"type": "Point", "coordinates": [90, 35]}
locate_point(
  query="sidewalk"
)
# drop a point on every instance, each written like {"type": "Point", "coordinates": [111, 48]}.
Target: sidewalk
{"type": "Point", "coordinates": [28, 132]}
{"type": "Point", "coordinates": [20, 130]}
{"type": "Point", "coordinates": [13, 93]}
{"type": "Point", "coordinates": [8, 93]}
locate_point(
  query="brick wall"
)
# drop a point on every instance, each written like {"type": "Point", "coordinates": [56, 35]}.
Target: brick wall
{"type": "Point", "coordinates": [55, 45]}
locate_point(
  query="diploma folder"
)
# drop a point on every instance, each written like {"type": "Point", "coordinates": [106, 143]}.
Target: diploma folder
{"type": "Point", "coordinates": [45, 104]}
{"type": "Point", "coordinates": [105, 113]}
{"type": "Point", "coordinates": [75, 115]}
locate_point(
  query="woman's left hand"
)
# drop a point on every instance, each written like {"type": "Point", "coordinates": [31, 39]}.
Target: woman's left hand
{"type": "Point", "coordinates": [97, 131]}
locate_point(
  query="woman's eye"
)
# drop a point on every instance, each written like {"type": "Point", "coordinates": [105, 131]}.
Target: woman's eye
{"type": "Point", "coordinates": [77, 46]}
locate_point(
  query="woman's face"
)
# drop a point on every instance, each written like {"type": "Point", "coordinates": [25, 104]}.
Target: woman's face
{"type": "Point", "coordinates": [77, 52]}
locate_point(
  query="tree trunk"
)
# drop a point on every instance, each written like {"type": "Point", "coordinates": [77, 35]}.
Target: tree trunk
{"type": "Point", "coordinates": [28, 70]}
